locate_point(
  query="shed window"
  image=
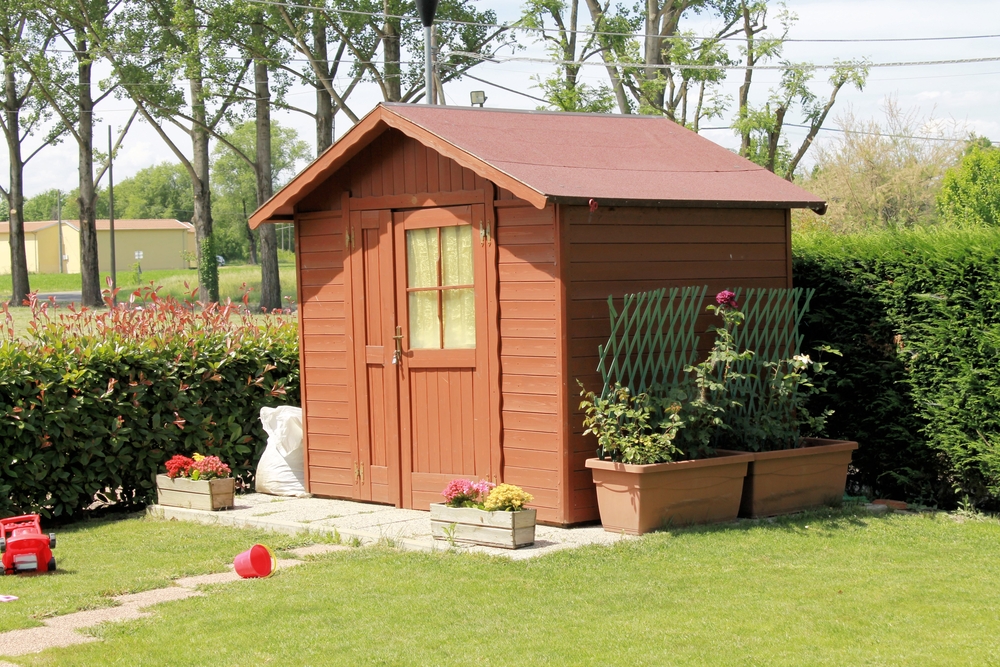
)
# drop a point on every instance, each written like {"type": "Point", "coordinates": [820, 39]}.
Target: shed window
{"type": "Point", "coordinates": [440, 287]}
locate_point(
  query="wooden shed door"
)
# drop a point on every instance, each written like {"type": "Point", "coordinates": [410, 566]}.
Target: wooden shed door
{"type": "Point", "coordinates": [376, 455]}
{"type": "Point", "coordinates": [441, 304]}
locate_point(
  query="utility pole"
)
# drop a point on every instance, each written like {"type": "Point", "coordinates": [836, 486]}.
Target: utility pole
{"type": "Point", "coordinates": [62, 251]}
{"type": "Point", "coordinates": [111, 218]}
{"type": "Point", "coordinates": [427, 9]}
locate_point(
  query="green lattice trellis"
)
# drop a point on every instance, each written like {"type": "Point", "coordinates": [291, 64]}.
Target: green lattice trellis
{"type": "Point", "coordinates": [652, 338]}
{"type": "Point", "coordinates": [771, 330]}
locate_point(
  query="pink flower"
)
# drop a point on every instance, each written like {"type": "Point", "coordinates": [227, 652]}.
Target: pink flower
{"type": "Point", "coordinates": [465, 493]}
{"type": "Point", "coordinates": [726, 298]}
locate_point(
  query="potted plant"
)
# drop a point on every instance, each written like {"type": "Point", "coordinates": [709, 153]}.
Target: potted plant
{"type": "Point", "coordinates": [485, 514]}
{"type": "Point", "coordinates": [790, 472]}
{"type": "Point", "coordinates": [656, 465]}
{"type": "Point", "coordinates": [199, 482]}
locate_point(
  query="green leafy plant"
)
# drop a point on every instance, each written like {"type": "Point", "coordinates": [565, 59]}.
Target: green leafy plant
{"type": "Point", "coordinates": [93, 403]}
{"type": "Point", "coordinates": [631, 429]}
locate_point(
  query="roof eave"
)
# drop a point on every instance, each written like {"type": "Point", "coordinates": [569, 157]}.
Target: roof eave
{"type": "Point", "coordinates": [817, 206]}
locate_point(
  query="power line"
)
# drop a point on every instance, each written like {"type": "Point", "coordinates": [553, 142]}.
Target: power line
{"type": "Point", "coordinates": [865, 132]}
{"type": "Point", "coordinates": [515, 26]}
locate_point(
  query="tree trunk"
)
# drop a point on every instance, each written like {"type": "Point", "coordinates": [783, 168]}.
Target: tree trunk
{"type": "Point", "coordinates": [202, 218]}
{"type": "Point", "coordinates": [270, 281]}
{"type": "Point", "coordinates": [393, 72]}
{"type": "Point", "coordinates": [324, 103]}
{"type": "Point", "coordinates": [744, 94]}
{"type": "Point", "coordinates": [15, 196]}
{"type": "Point", "coordinates": [90, 270]}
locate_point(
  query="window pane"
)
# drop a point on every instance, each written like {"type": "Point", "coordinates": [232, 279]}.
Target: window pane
{"type": "Point", "coordinates": [456, 255]}
{"type": "Point", "coordinates": [425, 325]}
{"type": "Point", "coordinates": [422, 258]}
{"type": "Point", "coordinates": [459, 318]}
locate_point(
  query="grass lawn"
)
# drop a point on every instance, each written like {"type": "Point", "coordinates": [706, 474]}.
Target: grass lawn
{"type": "Point", "coordinates": [832, 588]}
{"type": "Point", "coordinates": [231, 279]}
{"type": "Point", "coordinates": [100, 559]}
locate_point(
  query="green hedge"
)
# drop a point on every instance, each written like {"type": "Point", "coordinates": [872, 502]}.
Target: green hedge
{"type": "Point", "coordinates": [92, 405]}
{"type": "Point", "coordinates": [917, 316]}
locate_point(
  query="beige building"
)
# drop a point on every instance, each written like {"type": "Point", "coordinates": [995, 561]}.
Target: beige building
{"type": "Point", "coordinates": [164, 244]}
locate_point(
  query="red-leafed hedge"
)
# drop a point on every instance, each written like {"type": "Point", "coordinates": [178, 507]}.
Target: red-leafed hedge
{"type": "Point", "coordinates": [93, 403]}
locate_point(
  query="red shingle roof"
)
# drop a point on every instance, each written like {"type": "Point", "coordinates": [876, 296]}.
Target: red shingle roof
{"type": "Point", "coordinates": [565, 157]}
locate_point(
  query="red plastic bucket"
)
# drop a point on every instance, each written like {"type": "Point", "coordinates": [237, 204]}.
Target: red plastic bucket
{"type": "Point", "coordinates": [256, 562]}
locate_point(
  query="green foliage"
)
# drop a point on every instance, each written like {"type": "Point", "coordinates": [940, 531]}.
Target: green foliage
{"type": "Point", "coordinates": [93, 404]}
{"type": "Point", "coordinates": [234, 182]}
{"type": "Point", "coordinates": [208, 269]}
{"type": "Point", "coordinates": [636, 429]}
{"type": "Point", "coordinates": [916, 315]}
{"type": "Point", "coordinates": [160, 191]}
{"type": "Point", "coordinates": [970, 193]}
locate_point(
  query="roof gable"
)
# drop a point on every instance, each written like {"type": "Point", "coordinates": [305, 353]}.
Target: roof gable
{"type": "Point", "coordinates": [567, 157]}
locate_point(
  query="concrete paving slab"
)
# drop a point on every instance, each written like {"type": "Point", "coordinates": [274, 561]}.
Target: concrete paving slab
{"type": "Point", "coordinates": [156, 596]}
{"type": "Point", "coordinates": [36, 640]}
{"type": "Point", "coordinates": [370, 523]}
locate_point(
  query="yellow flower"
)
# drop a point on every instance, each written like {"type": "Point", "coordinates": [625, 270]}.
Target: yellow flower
{"type": "Point", "coordinates": [507, 498]}
{"type": "Point", "coordinates": [197, 457]}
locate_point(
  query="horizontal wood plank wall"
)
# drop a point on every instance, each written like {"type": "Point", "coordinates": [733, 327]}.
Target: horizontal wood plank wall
{"type": "Point", "coordinates": [529, 355]}
{"type": "Point", "coordinates": [323, 355]}
{"type": "Point", "coordinates": [620, 250]}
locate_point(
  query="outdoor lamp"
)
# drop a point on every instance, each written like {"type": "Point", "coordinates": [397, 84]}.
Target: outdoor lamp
{"type": "Point", "coordinates": [478, 97]}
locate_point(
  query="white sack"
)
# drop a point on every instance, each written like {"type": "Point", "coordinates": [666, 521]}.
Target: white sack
{"type": "Point", "coordinates": [281, 470]}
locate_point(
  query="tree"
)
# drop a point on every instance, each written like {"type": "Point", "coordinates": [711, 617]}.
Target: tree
{"type": "Point", "coordinates": [883, 174]}
{"type": "Point", "coordinates": [970, 193]}
{"type": "Point", "coordinates": [160, 191]}
{"type": "Point", "coordinates": [152, 45]}
{"type": "Point", "coordinates": [24, 111]}
{"type": "Point", "coordinates": [235, 182]}
{"type": "Point", "coordinates": [760, 128]}
{"type": "Point", "coordinates": [73, 101]}
{"type": "Point", "coordinates": [564, 89]}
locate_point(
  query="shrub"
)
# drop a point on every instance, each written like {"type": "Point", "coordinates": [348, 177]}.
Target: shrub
{"type": "Point", "coordinates": [917, 317]}
{"type": "Point", "coordinates": [93, 403]}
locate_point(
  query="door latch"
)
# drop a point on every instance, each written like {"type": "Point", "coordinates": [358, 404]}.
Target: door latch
{"type": "Point", "coordinates": [397, 355]}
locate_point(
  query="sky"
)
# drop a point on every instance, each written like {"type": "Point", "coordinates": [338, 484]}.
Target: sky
{"type": "Point", "coordinates": [967, 94]}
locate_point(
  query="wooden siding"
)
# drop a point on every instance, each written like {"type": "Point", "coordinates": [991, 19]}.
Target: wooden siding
{"type": "Point", "coordinates": [391, 166]}
{"type": "Point", "coordinates": [323, 354]}
{"type": "Point", "coordinates": [620, 250]}
{"type": "Point", "coordinates": [530, 356]}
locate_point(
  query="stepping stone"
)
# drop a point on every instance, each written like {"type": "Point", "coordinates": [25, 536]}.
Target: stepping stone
{"type": "Point", "coordinates": [877, 509]}
{"type": "Point", "coordinates": [156, 596]}
{"type": "Point", "coordinates": [36, 640]}
{"type": "Point", "coordinates": [317, 550]}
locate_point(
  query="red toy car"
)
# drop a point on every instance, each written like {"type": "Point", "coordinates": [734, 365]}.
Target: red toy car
{"type": "Point", "coordinates": [24, 546]}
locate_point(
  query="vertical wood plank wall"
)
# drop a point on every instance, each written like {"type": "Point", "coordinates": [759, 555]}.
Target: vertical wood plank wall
{"type": "Point", "coordinates": [392, 164]}
{"type": "Point", "coordinates": [529, 355]}
{"type": "Point", "coordinates": [631, 249]}
{"type": "Point", "coordinates": [323, 355]}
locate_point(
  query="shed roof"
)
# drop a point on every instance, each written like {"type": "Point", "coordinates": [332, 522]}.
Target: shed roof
{"type": "Point", "coordinates": [564, 157]}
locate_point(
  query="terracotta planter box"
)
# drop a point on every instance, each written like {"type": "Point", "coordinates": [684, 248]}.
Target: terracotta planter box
{"type": "Point", "coordinates": [210, 494]}
{"type": "Point", "coordinates": [468, 525]}
{"type": "Point", "coordinates": [792, 480]}
{"type": "Point", "coordinates": [637, 499]}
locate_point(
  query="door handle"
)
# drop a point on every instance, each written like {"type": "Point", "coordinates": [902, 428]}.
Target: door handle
{"type": "Point", "coordinates": [397, 355]}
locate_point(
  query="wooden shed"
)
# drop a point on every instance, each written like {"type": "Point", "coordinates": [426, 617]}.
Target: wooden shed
{"type": "Point", "coordinates": [453, 284]}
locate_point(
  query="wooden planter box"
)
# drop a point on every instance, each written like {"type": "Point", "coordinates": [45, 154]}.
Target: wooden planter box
{"type": "Point", "coordinates": [468, 525]}
{"type": "Point", "coordinates": [792, 480]}
{"type": "Point", "coordinates": [637, 499]}
{"type": "Point", "coordinates": [210, 494]}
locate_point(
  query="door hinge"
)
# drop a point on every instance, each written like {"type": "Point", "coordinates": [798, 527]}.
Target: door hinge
{"type": "Point", "coordinates": [349, 238]}
{"type": "Point", "coordinates": [485, 233]}
{"type": "Point", "coordinates": [359, 472]}
{"type": "Point", "coordinates": [361, 466]}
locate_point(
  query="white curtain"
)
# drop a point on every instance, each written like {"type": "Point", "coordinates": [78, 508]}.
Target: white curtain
{"type": "Point", "coordinates": [457, 306]}
{"type": "Point", "coordinates": [421, 271]}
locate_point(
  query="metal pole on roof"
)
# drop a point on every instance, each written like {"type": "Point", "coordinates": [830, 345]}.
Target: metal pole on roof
{"type": "Point", "coordinates": [427, 9]}
{"type": "Point", "coordinates": [111, 217]}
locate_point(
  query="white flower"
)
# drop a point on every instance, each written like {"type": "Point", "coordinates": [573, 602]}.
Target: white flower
{"type": "Point", "coordinates": [802, 359]}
